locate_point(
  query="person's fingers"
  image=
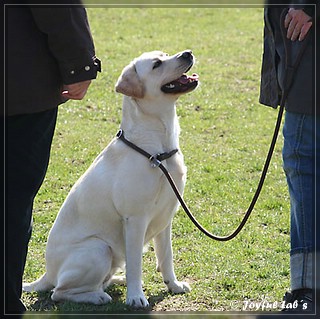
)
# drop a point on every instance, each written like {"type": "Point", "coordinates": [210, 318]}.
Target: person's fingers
{"type": "Point", "coordinates": [75, 91]}
{"type": "Point", "coordinates": [297, 23]}
{"type": "Point", "coordinates": [287, 19]}
{"type": "Point", "coordinates": [74, 96]}
{"type": "Point", "coordinates": [304, 30]}
{"type": "Point", "coordinates": [292, 30]}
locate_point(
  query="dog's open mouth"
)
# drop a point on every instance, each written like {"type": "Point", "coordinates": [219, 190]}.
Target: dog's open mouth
{"type": "Point", "coordinates": [183, 84]}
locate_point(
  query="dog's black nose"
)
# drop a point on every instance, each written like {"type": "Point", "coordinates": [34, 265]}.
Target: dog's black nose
{"type": "Point", "coordinates": [186, 54]}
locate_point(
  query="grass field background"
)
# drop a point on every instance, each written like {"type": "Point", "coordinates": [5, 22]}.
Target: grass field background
{"type": "Point", "coordinates": [225, 137]}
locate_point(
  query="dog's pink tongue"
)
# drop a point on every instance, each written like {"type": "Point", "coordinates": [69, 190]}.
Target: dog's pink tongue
{"type": "Point", "coordinates": [184, 79]}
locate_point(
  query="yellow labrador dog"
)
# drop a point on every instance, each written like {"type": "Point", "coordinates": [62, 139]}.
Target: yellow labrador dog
{"type": "Point", "coordinates": [122, 202]}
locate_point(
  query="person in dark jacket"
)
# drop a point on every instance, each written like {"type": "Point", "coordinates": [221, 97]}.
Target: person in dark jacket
{"type": "Point", "coordinates": [290, 29]}
{"type": "Point", "coordinates": [50, 58]}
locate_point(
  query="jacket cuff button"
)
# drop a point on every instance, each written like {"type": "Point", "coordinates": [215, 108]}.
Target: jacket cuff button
{"type": "Point", "coordinates": [87, 68]}
{"type": "Point", "coordinates": [72, 72]}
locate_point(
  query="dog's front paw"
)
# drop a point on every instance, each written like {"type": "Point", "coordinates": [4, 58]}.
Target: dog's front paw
{"type": "Point", "coordinates": [137, 301]}
{"type": "Point", "coordinates": [178, 287]}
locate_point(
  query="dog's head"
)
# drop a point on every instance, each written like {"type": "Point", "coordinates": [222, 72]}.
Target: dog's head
{"type": "Point", "coordinates": [155, 74]}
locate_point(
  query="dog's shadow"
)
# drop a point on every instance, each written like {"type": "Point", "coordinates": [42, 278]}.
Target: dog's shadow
{"type": "Point", "coordinates": [42, 302]}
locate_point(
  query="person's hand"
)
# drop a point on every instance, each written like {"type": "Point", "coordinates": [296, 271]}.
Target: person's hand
{"type": "Point", "coordinates": [75, 91]}
{"type": "Point", "coordinates": [298, 24]}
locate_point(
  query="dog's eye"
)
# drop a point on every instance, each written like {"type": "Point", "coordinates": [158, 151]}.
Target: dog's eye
{"type": "Point", "coordinates": [157, 64]}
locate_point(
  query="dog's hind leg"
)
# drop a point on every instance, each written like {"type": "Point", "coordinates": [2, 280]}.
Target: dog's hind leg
{"type": "Point", "coordinates": [163, 249]}
{"type": "Point", "coordinates": [41, 284]}
{"type": "Point", "coordinates": [115, 280]}
{"type": "Point", "coordinates": [81, 276]}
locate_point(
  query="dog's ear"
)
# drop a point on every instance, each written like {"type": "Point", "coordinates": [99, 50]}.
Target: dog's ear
{"type": "Point", "coordinates": [129, 83]}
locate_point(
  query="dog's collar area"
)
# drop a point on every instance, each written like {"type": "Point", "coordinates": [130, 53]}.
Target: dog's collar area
{"type": "Point", "coordinates": [155, 159]}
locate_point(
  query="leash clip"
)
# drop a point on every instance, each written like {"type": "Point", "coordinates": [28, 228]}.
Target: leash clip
{"type": "Point", "coordinates": [154, 160]}
{"type": "Point", "coordinates": [120, 133]}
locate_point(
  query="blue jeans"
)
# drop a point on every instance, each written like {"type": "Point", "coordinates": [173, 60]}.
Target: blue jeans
{"type": "Point", "coordinates": [299, 155]}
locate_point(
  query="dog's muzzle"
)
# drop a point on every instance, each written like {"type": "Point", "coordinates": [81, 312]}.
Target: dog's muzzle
{"type": "Point", "coordinates": [185, 83]}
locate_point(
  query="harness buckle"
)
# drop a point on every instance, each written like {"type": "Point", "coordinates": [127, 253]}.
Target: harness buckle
{"type": "Point", "coordinates": [154, 160]}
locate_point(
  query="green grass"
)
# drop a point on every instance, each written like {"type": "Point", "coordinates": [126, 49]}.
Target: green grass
{"type": "Point", "coordinates": [225, 137]}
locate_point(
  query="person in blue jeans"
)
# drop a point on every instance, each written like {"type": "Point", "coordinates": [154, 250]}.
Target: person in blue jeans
{"type": "Point", "coordinates": [301, 136]}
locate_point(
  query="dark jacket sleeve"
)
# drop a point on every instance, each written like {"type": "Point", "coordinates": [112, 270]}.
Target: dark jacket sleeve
{"type": "Point", "coordinates": [301, 93]}
{"type": "Point", "coordinates": [46, 47]}
{"type": "Point", "coordinates": [69, 40]}
{"type": "Point", "coordinates": [307, 6]}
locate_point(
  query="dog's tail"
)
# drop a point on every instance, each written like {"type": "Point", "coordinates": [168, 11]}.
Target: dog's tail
{"type": "Point", "coordinates": [41, 284]}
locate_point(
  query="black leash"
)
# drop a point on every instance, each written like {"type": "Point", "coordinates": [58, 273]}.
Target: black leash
{"type": "Point", "coordinates": [156, 161]}
{"type": "Point", "coordinates": [158, 158]}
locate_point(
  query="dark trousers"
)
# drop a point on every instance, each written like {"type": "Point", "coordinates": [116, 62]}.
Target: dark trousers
{"type": "Point", "coordinates": [28, 141]}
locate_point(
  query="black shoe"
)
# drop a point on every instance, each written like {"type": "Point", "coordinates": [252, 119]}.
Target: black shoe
{"type": "Point", "coordinates": [298, 301]}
